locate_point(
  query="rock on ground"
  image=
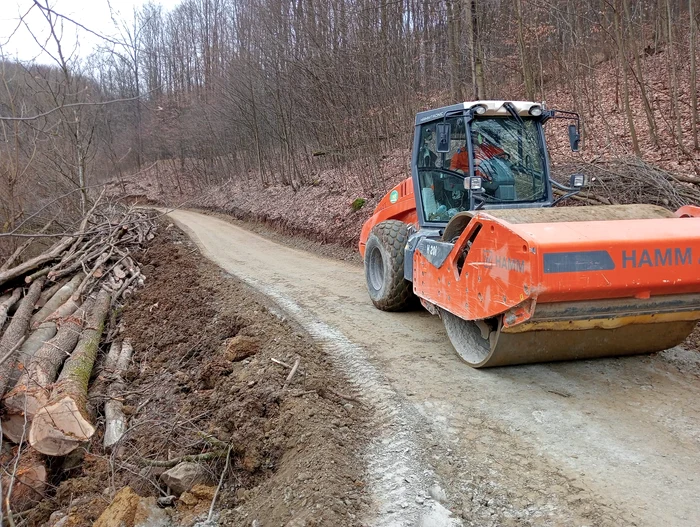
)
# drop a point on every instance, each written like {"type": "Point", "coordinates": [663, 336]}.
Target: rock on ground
{"type": "Point", "coordinates": [121, 511]}
{"type": "Point", "coordinates": [128, 509]}
{"type": "Point", "coordinates": [183, 476]}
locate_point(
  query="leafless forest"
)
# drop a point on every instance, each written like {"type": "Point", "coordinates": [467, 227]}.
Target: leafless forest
{"type": "Point", "coordinates": [273, 92]}
{"type": "Point", "coordinates": [298, 113]}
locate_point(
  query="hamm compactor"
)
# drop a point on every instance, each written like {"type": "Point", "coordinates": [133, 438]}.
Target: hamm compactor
{"type": "Point", "coordinates": [474, 235]}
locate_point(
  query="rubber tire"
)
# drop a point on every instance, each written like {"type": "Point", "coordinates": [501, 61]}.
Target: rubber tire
{"type": "Point", "coordinates": [384, 273]}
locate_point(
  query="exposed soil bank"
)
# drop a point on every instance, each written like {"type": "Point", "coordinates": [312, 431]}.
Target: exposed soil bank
{"type": "Point", "coordinates": [600, 442]}
{"type": "Point", "coordinates": [202, 368]}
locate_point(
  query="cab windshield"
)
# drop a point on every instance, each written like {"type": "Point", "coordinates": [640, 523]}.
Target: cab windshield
{"type": "Point", "coordinates": [507, 155]}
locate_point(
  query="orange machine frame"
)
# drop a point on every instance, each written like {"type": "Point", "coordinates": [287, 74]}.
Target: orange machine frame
{"type": "Point", "coordinates": [510, 268]}
{"type": "Point", "coordinates": [403, 208]}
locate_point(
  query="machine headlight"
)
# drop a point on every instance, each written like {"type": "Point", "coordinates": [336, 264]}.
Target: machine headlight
{"type": "Point", "coordinates": [535, 110]}
{"type": "Point", "coordinates": [474, 183]}
{"type": "Point", "coordinates": [578, 180]}
{"type": "Point", "coordinates": [480, 109]}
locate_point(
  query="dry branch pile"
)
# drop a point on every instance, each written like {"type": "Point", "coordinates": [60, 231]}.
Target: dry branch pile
{"type": "Point", "coordinates": [631, 180]}
{"type": "Point", "coordinates": [54, 313]}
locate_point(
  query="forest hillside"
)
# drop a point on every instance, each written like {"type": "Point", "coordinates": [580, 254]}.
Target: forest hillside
{"type": "Point", "coordinates": [259, 106]}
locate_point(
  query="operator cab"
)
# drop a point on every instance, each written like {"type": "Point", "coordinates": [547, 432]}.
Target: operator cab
{"type": "Point", "coordinates": [481, 155]}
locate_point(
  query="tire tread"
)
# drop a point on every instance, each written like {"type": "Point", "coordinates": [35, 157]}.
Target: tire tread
{"type": "Point", "coordinates": [393, 235]}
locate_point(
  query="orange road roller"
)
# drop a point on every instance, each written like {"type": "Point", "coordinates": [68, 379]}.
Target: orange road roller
{"type": "Point", "coordinates": [474, 235]}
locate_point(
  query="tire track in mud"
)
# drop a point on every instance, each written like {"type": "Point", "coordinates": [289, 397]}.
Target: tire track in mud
{"type": "Point", "coordinates": [399, 480]}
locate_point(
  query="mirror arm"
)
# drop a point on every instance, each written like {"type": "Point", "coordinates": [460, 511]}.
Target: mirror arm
{"type": "Point", "coordinates": [558, 185]}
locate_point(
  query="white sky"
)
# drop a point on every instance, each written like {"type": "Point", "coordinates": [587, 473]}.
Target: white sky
{"type": "Point", "coordinates": [16, 41]}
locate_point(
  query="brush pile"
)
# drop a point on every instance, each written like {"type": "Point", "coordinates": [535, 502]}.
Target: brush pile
{"type": "Point", "coordinates": [55, 311]}
{"type": "Point", "coordinates": [631, 180]}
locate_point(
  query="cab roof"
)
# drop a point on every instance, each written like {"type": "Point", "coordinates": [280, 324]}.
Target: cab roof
{"type": "Point", "coordinates": [493, 108]}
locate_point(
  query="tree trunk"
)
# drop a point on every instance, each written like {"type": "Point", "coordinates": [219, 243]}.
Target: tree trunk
{"type": "Point", "coordinates": [693, 77]}
{"type": "Point", "coordinates": [640, 76]}
{"type": "Point", "coordinates": [477, 51]}
{"type": "Point", "coordinates": [32, 390]}
{"type": "Point", "coordinates": [45, 331]}
{"type": "Point", "coordinates": [453, 39]}
{"type": "Point", "coordinates": [625, 82]}
{"type": "Point", "coordinates": [115, 420]}
{"type": "Point", "coordinates": [7, 304]}
{"type": "Point", "coordinates": [15, 332]}
{"type": "Point", "coordinates": [47, 293]}
{"type": "Point", "coordinates": [674, 83]}
{"type": "Point", "coordinates": [528, 77]}
{"type": "Point", "coordinates": [62, 425]}
{"type": "Point", "coordinates": [36, 340]}
{"type": "Point", "coordinates": [56, 301]}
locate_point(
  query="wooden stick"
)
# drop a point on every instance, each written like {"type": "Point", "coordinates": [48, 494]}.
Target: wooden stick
{"type": "Point", "coordinates": [169, 463]}
{"type": "Point", "coordinates": [280, 363]}
{"type": "Point", "coordinates": [30, 265]}
{"type": "Point", "coordinates": [221, 482]}
{"type": "Point", "coordinates": [291, 373]}
{"type": "Point", "coordinates": [343, 396]}
{"type": "Point", "coordinates": [37, 274]}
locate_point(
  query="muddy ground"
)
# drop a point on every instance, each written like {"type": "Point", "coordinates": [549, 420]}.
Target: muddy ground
{"type": "Point", "coordinates": [202, 373]}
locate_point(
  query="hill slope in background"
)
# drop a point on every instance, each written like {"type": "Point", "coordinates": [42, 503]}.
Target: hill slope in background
{"type": "Point", "coordinates": [323, 211]}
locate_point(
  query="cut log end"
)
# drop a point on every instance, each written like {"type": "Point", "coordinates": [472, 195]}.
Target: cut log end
{"type": "Point", "coordinates": [59, 428]}
{"type": "Point", "coordinates": [30, 483]}
{"type": "Point", "coordinates": [13, 428]}
{"type": "Point", "coordinates": [21, 405]}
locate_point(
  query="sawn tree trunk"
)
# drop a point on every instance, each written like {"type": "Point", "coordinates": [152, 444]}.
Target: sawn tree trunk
{"type": "Point", "coordinates": [63, 424]}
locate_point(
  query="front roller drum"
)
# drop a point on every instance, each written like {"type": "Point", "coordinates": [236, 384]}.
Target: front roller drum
{"type": "Point", "coordinates": [483, 345]}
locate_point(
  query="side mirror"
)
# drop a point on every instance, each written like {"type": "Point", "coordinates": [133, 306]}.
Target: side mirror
{"type": "Point", "coordinates": [444, 131]}
{"type": "Point", "coordinates": [579, 181]}
{"type": "Point", "coordinates": [574, 137]}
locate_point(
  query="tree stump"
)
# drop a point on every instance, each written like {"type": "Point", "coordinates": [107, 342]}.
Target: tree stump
{"type": "Point", "coordinates": [30, 480]}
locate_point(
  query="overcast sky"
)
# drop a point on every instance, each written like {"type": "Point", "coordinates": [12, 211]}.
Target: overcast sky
{"type": "Point", "coordinates": [16, 41]}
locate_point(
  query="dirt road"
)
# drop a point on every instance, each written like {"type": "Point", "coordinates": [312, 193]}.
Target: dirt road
{"type": "Point", "coordinates": [607, 442]}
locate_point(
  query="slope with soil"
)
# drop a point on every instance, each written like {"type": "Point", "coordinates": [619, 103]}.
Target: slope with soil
{"type": "Point", "coordinates": [202, 373]}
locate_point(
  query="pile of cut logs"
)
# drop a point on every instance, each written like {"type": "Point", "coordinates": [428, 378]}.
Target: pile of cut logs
{"type": "Point", "coordinates": [54, 314]}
